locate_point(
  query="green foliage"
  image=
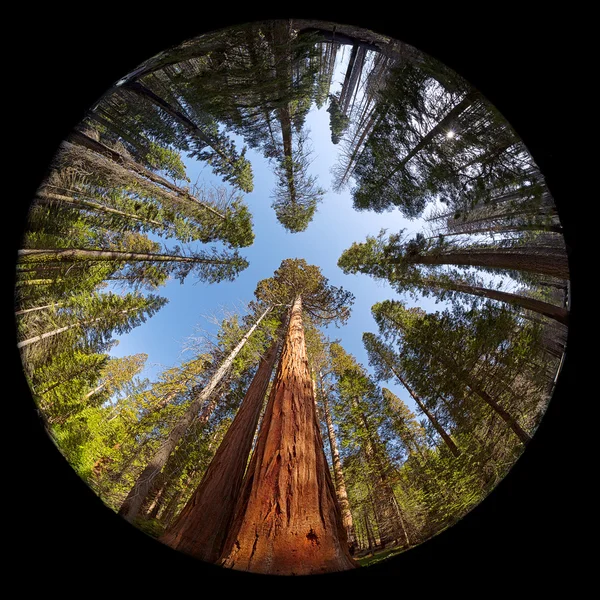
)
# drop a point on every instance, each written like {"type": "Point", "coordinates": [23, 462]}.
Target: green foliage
{"type": "Point", "coordinates": [270, 76]}
{"type": "Point", "coordinates": [166, 159]}
{"type": "Point", "coordinates": [296, 194]}
{"type": "Point", "coordinates": [109, 195]}
{"type": "Point", "coordinates": [338, 121]}
{"type": "Point", "coordinates": [238, 225]}
{"type": "Point", "coordinates": [408, 161]}
{"type": "Point", "coordinates": [152, 527]}
{"type": "Point", "coordinates": [134, 118]}
{"type": "Point", "coordinates": [321, 301]}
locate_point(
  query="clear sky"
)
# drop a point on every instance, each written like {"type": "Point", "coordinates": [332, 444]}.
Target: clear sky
{"type": "Point", "coordinates": [335, 226]}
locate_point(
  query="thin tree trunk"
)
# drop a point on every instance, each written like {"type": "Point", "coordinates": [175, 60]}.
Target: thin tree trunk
{"type": "Point", "coordinates": [169, 512]}
{"type": "Point", "coordinates": [286, 132]}
{"type": "Point", "coordinates": [38, 281]}
{"type": "Point", "coordinates": [28, 310]}
{"type": "Point", "coordinates": [354, 156]}
{"type": "Point", "coordinates": [539, 306]}
{"type": "Point", "coordinates": [284, 76]}
{"type": "Point", "coordinates": [62, 381]}
{"type": "Point", "coordinates": [349, 68]}
{"type": "Point", "coordinates": [504, 415]}
{"type": "Point", "coordinates": [81, 139]}
{"type": "Point", "coordinates": [389, 520]}
{"type": "Point", "coordinates": [203, 524]}
{"type": "Point", "coordinates": [287, 519]}
{"type": "Point", "coordinates": [52, 198]}
{"type": "Point", "coordinates": [432, 419]}
{"type": "Point", "coordinates": [378, 541]}
{"type": "Point", "coordinates": [136, 497]}
{"type": "Point", "coordinates": [466, 378]}
{"type": "Point", "coordinates": [402, 522]}
{"type": "Point", "coordinates": [436, 130]}
{"type": "Point", "coordinates": [369, 532]}
{"type": "Point", "coordinates": [157, 503]}
{"type": "Point", "coordinates": [193, 129]}
{"type": "Point", "coordinates": [338, 473]}
{"type": "Point", "coordinates": [171, 471]}
{"type": "Point", "coordinates": [522, 208]}
{"type": "Point", "coordinates": [555, 264]}
{"type": "Point", "coordinates": [70, 254]}
{"type": "Point", "coordinates": [43, 336]}
{"type": "Point", "coordinates": [95, 390]}
{"type": "Point", "coordinates": [453, 229]}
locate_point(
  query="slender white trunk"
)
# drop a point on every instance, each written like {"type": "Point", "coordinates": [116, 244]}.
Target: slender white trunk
{"type": "Point", "coordinates": [132, 505]}
{"type": "Point", "coordinates": [28, 310]}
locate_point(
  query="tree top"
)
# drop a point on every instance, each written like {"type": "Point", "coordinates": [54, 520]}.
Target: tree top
{"type": "Point", "coordinates": [295, 278]}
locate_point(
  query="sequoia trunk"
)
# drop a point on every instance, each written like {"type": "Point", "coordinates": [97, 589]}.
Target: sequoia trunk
{"type": "Point", "coordinates": [287, 519]}
{"type": "Point", "coordinates": [202, 526]}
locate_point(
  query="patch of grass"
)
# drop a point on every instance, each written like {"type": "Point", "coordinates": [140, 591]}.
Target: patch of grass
{"type": "Point", "coordinates": [151, 527]}
{"type": "Point", "coordinates": [367, 561]}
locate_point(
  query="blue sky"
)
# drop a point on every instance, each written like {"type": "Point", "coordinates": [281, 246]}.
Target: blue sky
{"type": "Point", "coordinates": [335, 226]}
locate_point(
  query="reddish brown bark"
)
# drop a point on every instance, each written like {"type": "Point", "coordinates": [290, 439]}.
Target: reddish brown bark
{"type": "Point", "coordinates": [202, 525]}
{"type": "Point", "coordinates": [287, 519]}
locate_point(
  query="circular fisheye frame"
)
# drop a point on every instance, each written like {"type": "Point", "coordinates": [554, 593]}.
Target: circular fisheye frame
{"type": "Point", "coordinates": [293, 297]}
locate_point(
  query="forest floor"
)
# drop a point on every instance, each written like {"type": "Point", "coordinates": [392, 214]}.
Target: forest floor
{"type": "Point", "coordinates": [366, 561]}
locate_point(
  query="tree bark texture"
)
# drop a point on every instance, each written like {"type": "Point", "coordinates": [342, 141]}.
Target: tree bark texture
{"type": "Point", "coordinates": [287, 520]}
{"type": "Point", "coordinates": [114, 255]}
{"type": "Point", "coordinates": [202, 526]}
{"type": "Point", "coordinates": [554, 263]}
{"type": "Point", "coordinates": [552, 311]}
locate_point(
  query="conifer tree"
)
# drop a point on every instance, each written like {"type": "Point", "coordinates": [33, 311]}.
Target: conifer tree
{"type": "Point", "coordinates": [287, 519]}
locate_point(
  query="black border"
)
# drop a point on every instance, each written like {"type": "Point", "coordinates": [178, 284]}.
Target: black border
{"type": "Point", "coordinates": [525, 529]}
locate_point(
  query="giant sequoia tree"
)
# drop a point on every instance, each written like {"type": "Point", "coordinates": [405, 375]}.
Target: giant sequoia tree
{"type": "Point", "coordinates": [201, 527]}
{"type": "Point", "coordinates": [320, 360]}
{"type": "Point", "coordinates": [221, 456]}
{"type": "Point", "coordinates": [287, 520]}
